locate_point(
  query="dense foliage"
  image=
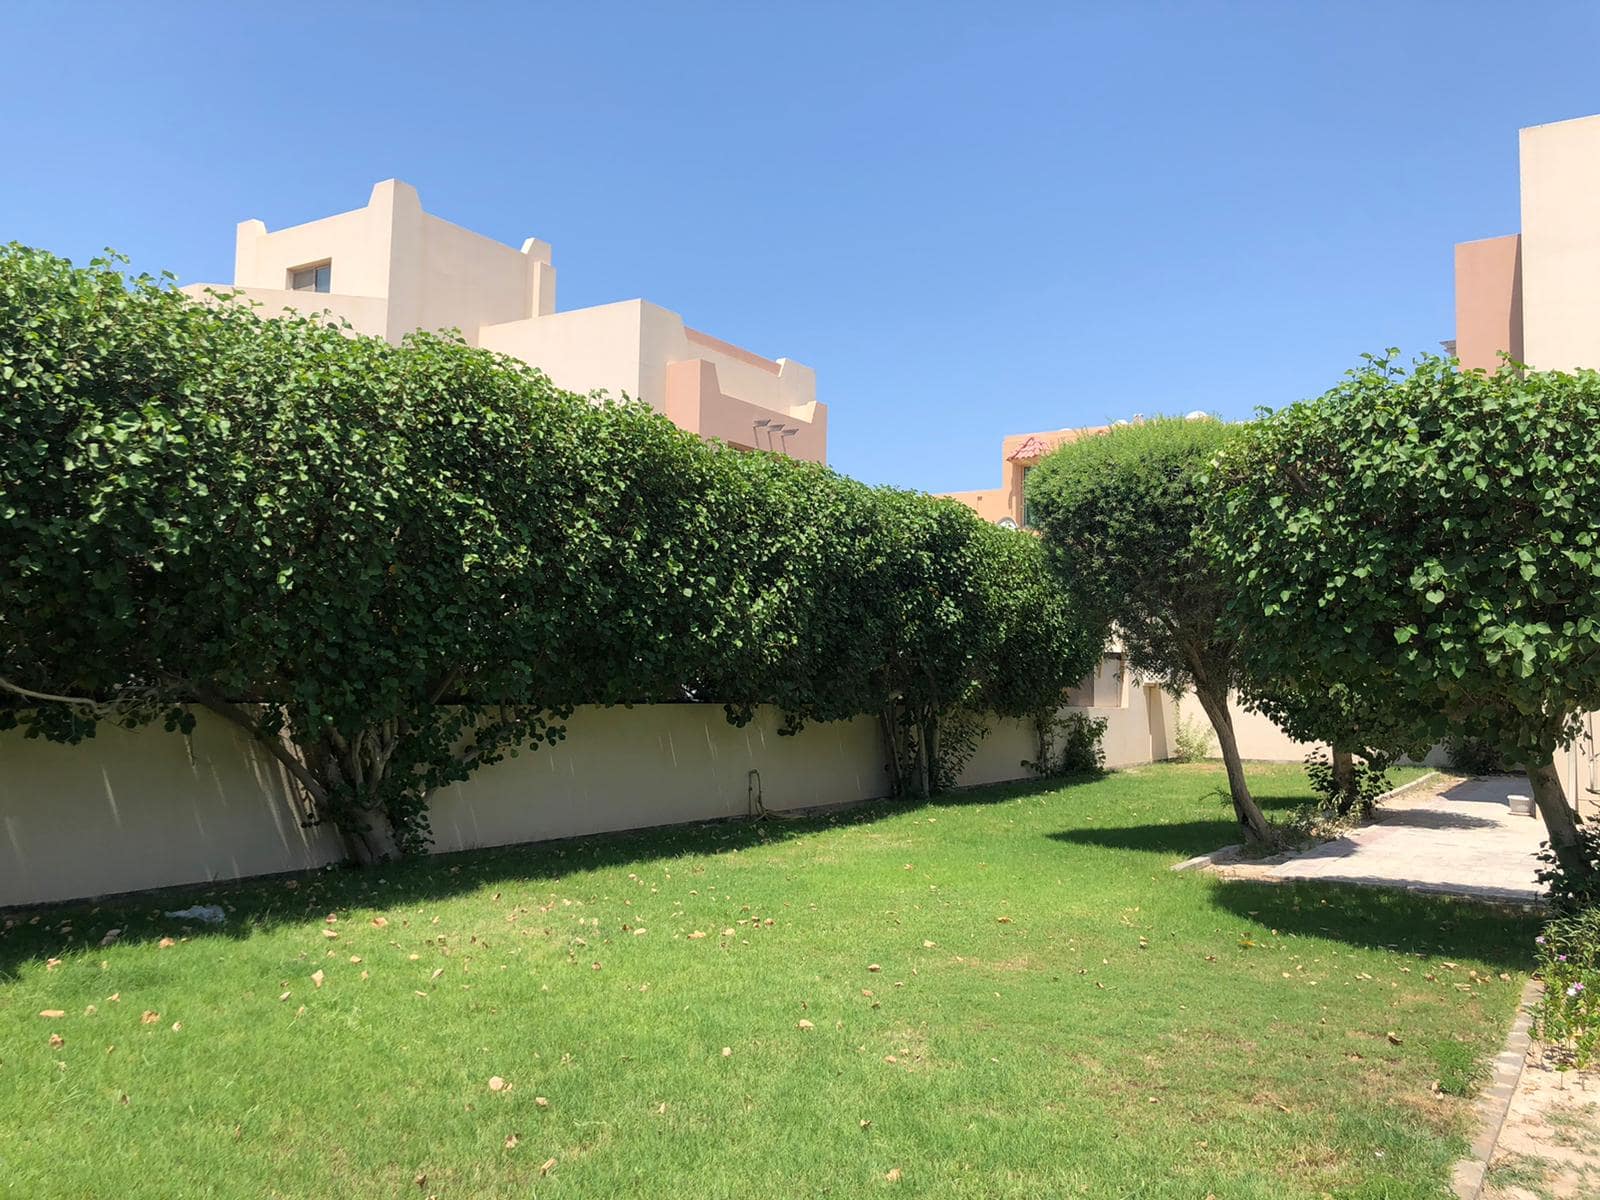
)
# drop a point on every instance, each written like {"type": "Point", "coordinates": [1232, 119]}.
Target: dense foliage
{"type": "Point", "coordinates": [1123, 515]}
{"type": "Point", "coordinates": [1429, 535]}
{"type": "Point", "coordinates": [393, 565]}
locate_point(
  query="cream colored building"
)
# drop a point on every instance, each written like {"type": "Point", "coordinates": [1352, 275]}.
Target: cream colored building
{"type": "Point", "coordinates": [391, 268]}
{"type": "Point", "coordinates": [1536, 294]}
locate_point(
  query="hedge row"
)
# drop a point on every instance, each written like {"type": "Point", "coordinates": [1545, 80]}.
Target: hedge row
{"type": "Point", "coordinates": [396, 564]}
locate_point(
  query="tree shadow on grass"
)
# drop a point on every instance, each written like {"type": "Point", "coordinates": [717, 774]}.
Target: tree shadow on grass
{"type": "Point", "coordinates": [1182, 838]}
{"type": "Point", "coordinates": [1388, 918]}
{"type": "Point", "coordinates": [265, 902]}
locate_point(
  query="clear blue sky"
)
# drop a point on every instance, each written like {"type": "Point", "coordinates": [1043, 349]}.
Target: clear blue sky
{"type": "Point", "coordinates": [971, 220]}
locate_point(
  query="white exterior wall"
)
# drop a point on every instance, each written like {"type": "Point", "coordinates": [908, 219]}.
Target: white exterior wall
{"type": "Point", "coordinates": [128, 810]}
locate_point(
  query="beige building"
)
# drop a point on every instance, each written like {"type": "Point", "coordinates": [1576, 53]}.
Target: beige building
{"type": "Point", "coordinates": [391, 268]}
{"type": "Point", "coordinates": [1535, 295]}
{"type": "Point", "coordinates": [1007, 504]}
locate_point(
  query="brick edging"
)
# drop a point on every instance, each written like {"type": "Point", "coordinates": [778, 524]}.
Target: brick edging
{"type": "Point", "coordinates": [1495, 1101]}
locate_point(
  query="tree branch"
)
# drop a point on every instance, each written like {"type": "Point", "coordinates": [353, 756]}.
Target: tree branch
{"type": "Point", "coordinates": [273, 745]}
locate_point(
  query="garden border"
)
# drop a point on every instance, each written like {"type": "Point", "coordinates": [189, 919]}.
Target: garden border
{"type": "Point", "coordinates": [1494, 1102]}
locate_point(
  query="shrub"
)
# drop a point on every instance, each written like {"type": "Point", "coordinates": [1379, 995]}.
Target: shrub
{"type": "Point", "coordinates": [1569, 964]}
{"type": "Point", "coordinates": [1069, 744]}
{"type": "Point", "coordinates": [1571, 891]}
{"type": "Point", "coordinates": [1476, 756]}
{"type": "Point", "coordinates": [1365, 782]}
{"type": "Point", "coordinates": [1191, 741]}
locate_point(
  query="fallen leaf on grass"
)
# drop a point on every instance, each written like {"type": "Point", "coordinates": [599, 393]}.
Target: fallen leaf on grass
{"type": "Point", "coordinates": [1003, 920]}
{"type": "Point", "coordinates": [511, 1142]}
{"type": "Point", "coordinates": [52, 1013]}
{"type": "Point", "coordinates": [696, 935]}
{"type": "Point", "coordinates": [380, 922]}
{"type": "Point", "coordinates": [893, 1176]}
{"type": "Point", "coordinates": [166, 942]}
{"type": "Point", "coordinates": [727, 1052]}
{"type": "Point", "coordinates": [803, 1024]}
{"type": "Point", "coordinates": [1394, 1038]}
{"type": "Point", "coordinates": [496, 1084]}
{"type": "Point", "coordinates": [874, 968]}
{"type": "Point", "coordinates": [546, 1166]}
{"type": "Point", "coordinates": [541, 1102]}
{"type": "Point", "coordinates": [330, 933]}
{"type": "Point", "coordinates": [283, 997]}
{"type": "Point", "coordinates": [149, 1018]}
{"type": "Point", "coordinates": [317, 977]}
{"type": "Point", "coordinates": [57, 1041]}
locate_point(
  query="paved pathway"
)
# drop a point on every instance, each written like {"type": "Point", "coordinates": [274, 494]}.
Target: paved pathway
{"type": "Point", "coordinates": [1447, 834]}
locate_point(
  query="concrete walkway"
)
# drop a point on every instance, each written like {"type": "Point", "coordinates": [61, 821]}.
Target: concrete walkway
{"type": "Point", "coordinates": [1447, 834]}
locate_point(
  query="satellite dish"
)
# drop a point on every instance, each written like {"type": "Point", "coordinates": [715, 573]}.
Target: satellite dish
{"type": "Point", "coordinates": [1006, 523]}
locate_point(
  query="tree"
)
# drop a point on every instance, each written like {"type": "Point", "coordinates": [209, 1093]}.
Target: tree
{"type": "Point", "coordinates": [1123, 516]}
{"type": "Point", "coordinates": [1429, 536]}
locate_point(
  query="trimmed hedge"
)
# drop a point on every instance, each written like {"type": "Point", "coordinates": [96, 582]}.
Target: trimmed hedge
{"type": "Point", "coordinates": [395, 564]}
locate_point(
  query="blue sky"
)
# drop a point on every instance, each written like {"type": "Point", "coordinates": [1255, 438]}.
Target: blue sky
{"type": "Point", "coordinates": [971, 220]}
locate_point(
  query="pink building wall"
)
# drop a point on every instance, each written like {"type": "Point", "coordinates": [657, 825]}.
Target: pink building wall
{"type": "Point", "coordinates": [1489, 302]}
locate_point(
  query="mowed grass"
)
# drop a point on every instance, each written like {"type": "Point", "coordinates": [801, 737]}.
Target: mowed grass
{"type": "Point", "coordinates": [1008, 994]}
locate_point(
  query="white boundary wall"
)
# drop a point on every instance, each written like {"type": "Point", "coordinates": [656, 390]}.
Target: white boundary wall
{"type": "Point", "coordinates": [127, 810]}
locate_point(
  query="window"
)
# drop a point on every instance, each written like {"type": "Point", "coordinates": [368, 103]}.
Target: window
{"type": "Point", "coordinates": [316, 278]}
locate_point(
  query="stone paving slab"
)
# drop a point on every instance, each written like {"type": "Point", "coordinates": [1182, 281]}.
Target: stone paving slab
{"type": "Point", "coordinates": [1449, 834]}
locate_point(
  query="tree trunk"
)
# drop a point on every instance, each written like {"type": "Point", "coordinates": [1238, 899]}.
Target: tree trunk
{"type": "Point", "coordinates": [1251, 822]}
{"type": "Point", "coordinates": [891, 745]}
{"type": "Point", "coordinates": [924, 767]}
{"type": "Point", "coordinates": [1559, 821]}
{"type": "Point", "coordinates": [1344, 780]}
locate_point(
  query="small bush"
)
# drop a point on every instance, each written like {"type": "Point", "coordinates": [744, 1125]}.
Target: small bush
{"type": "Point", "coordinates": [1191, 740]}
{"type": "Point", "coordinates": [1569, 964]}
{"type": "Point", "coordinates": [1069, 744]}
{"type": "Point", "coordinates": [1566, 894]}
{"type": "Point", "coordinates": [1474, 756]}
{"type": "Point", "coordinates": [1369, 779]}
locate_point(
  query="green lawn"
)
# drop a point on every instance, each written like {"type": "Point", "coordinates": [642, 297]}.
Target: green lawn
{"type": "Point", "coordinates": [1008, 994]}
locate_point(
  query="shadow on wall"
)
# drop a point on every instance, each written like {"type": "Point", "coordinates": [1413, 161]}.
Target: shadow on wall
{"type": "Point", "coordinates": [264, 903]}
